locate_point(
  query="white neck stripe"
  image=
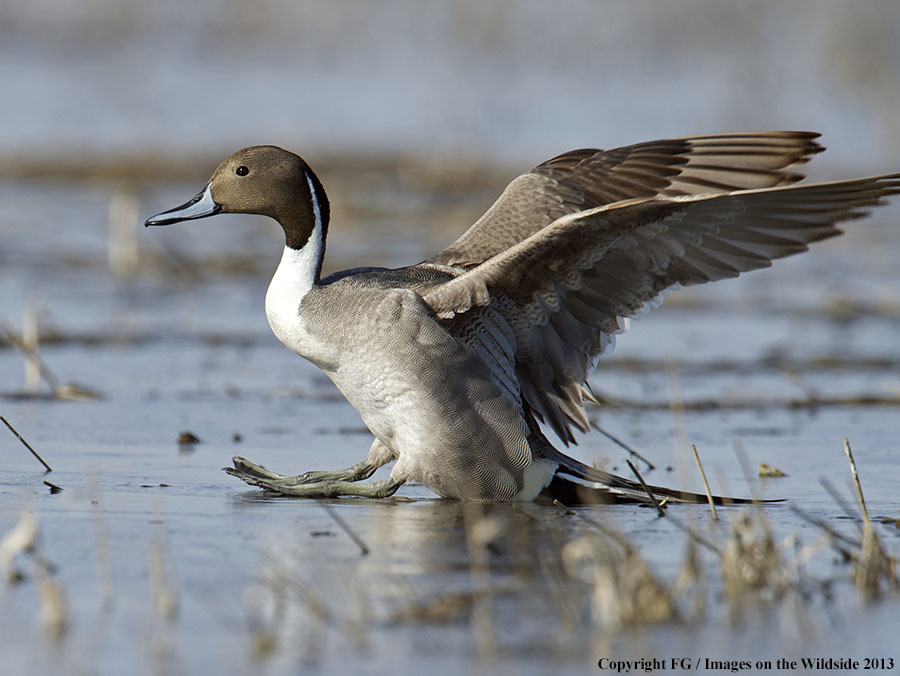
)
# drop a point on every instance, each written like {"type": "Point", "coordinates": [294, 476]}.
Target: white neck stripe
{"type": "Point", "coordinates": [317, 212]}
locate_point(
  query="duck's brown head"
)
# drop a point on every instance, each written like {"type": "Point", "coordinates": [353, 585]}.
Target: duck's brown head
{"type": "Point", "coordinates": [265, 180]}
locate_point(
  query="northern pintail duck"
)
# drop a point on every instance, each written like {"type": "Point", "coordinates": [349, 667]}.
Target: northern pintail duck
{"type": "Point", "coordinates": [453, 362]}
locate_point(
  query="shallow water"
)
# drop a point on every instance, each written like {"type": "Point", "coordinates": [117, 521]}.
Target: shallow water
{"type": "Point", "coordinates": [785, 362]}
{"type": "Point", "coordinates": [415, 115]}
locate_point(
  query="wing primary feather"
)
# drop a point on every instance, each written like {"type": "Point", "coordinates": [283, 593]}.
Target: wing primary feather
{"type": "Point", "coordinates": [591, 238]}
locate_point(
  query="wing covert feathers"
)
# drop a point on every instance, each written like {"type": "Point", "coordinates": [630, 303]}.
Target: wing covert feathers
{"type": "Point", "coordinates": [588, 178]}
{"type": "Point", "coordinates": [590, 238]}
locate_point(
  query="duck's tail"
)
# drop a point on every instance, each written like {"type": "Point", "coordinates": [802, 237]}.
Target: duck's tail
{"type": "Point", "coordinates": [575, 483]}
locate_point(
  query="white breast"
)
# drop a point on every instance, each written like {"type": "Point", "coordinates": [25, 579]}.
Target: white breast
{"type": "Point", "coordinates": [295, 277]}
{"type": "Point", "coordinates": [284, 301]}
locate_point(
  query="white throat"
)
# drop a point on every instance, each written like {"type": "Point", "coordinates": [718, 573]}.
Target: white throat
{"type": "Point", "coordinates": [309, 258]}
{"type": "Point", "coordinates": [295, 276]}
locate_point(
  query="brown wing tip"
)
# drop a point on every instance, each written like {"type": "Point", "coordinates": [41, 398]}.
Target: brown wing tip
{"type": "Point", "coordinates": [811, 146]}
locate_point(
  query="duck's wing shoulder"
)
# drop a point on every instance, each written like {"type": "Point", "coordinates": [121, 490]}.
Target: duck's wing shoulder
{"type": "Point", "coordinates": [421, 278]}
{"type": "Point", "coordinates": [588, 178]}
{"type": "Point", "coordinates": [567, 289]}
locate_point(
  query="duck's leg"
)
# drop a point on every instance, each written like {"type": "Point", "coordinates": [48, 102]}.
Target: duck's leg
{"type": "Point", "coordinates": [322, 489]}
{"type": "Point", "coordinates": [243, 467]}
{"type": "Point", "coordinates": [379, 455]}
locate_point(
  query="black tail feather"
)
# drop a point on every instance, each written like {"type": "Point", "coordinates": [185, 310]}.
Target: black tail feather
{"type": "Point", "coordinates": [577, 484]}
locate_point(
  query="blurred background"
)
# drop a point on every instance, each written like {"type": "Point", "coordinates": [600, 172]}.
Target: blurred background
{"type": "Point", "coordinates": [415, 115]}
{"type": "Point", "coordinates": [494, 80]}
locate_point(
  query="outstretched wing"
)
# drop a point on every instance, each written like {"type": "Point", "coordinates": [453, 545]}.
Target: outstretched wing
{"type": "Point", "coordinates": [584, 179]}
{"type": "Point", "coordinates": [565, 289]}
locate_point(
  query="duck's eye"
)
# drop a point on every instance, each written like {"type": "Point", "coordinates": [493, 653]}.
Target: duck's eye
{"type": "Point", "coordinates": [242, 170]}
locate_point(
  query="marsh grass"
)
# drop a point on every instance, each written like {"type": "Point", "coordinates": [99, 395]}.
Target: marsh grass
{"type": "Point", "coordinates": [36, 368]}
{"type": "Point", "coordinates": [24, 541]}
{"type": "Point", "coordinates": [709, 497]}
{"type": "Point", "coordinates": [28, 446]}
{"type": "Point", "coordinates": [599, 583]}
{"type": "Point", "coordinates": [593, 581]}
{"type": "Point", "coordinates": [874, 571]}
{"type": "Point", "coordinates": [586, 579]}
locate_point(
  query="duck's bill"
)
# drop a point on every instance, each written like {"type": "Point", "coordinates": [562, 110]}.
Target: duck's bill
{"type": "Point", "coordinates": [201, 206]}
